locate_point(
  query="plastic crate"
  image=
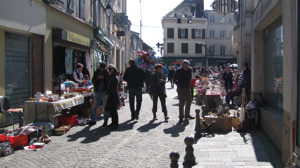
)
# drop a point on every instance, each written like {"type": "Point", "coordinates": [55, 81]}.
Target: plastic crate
{"type": "Point", "coordinates": [16, 141]}
{"type": "Point", "coordinates": [67, 120]}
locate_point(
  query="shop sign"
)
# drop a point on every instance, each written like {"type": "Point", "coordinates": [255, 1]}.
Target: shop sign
{"type": "Point", "coordinates": [120, 19]}
{"type": "Point", "coordinates": [76, 38]}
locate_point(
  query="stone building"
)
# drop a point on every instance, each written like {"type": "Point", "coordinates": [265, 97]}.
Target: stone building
{"type": "Point", "coordinates": [266, 38]}
{"type": "Point", "coordinates": [184, 33]}
{"type": "Point", "coordinates": [218, 39]}
{"type": "Point", "coordinates": [48, 35]}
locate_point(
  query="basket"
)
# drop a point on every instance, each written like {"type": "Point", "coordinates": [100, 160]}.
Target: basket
{"type": "Point", "coordinates": [16, 141]}
{"type": "Point", "coordinates": [67, 120]}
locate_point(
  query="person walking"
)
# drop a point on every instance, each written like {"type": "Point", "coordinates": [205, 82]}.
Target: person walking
{"type": "Point", "coordinates": [171, 76]}
{"type": "Point", "coordinates": [99, 81]}
{"type": "Point", "coordinates": [227, 78]}
{"type": "Point", "coordinates": [158, 90]}
{"type": "Point", "coordinates": [113, 100]}
{"type": "Point", "coordinates": [135, 78]}
{"type": "Point", "coordinates": [182, 79]}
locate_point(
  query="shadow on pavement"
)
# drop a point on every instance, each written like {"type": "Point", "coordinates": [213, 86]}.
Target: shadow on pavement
{"type": "Point", "coordinates": [175, 104]}
{"type": "Point", "coordinates": [176, 129]}
{"type": "Point", "coordinates": [150, 125]}
{"type": "Point", "coordinates": [265, 151]}
{"type": "Point", "coordinates": [127, 125]}
{"type": "Point", "coordinates": [83, 133]}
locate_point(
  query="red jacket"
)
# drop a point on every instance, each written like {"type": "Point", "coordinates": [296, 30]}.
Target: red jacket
{"type": "Point", "coordinates": [193, 82]}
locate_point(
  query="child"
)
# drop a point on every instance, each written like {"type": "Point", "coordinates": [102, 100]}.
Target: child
{"type": "Point", "coordinates": [87, 81]}
{"type": "Point", "coordinates": [193, 84]}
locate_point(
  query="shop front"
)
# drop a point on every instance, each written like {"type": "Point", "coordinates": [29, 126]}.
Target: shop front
{"type": "Point", "coordinates": [69, 48]}
{"type": "Point", "coordinates": [101, 46]}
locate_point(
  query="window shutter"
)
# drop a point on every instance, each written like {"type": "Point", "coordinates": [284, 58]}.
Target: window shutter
{"type": "Point", "coordinates": [193, 33]}
{"type": "Point", "coordinates": [203, 33]}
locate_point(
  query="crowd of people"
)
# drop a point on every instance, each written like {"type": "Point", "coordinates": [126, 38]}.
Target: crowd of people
{"type": "Point", "coordinates": [107, 81]}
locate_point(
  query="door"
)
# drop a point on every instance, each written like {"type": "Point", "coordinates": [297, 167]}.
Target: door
{"type": "Point", "coordinates": [17, 68]}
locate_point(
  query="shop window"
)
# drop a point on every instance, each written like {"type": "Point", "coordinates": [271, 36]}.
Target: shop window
{"type": "Point", "coordinates": [273, 66]}
{"type": "Point", "coordinates": [170, 33]}
{"type": "Point", "coordinates": [170, 47]}
{"type": "Point", "coordinates": [184, 48]}
{"type": "Point", "coordinates": [17, 68]}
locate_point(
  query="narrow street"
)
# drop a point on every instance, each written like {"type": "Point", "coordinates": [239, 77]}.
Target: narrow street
{"type": "Point", "coordinates": [144, 144]}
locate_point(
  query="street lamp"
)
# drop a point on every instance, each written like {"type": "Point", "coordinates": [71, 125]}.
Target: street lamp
{"type": "Point", "coordinates": [206, 60]}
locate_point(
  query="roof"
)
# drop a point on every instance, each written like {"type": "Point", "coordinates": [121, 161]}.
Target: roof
{"type": "Point", "coordinates": [186, 8]}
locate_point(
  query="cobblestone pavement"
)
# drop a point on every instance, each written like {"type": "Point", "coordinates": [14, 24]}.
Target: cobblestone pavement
{"type": "Point", "coordinates": [142, 144]}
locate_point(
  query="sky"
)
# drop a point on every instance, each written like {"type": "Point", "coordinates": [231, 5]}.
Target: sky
{"type": "Point", "coordinates": [152, 13]}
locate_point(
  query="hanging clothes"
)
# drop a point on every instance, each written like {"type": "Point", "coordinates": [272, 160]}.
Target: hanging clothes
{"type": "Point", "coordinates": [69, 61]}
{"type": "Point", "coordinates": [88, 62]}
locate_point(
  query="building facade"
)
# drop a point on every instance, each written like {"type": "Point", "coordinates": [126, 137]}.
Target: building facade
{"type": "Point", "coordinates": [266, 38]}
{"type": "Point", "coordinates": [49, 37]}
{"type": "Point", "coordinates": [184, 31]}
{"type": "Point", "coordinates": [21, 49]}
{"type": "Point", "coordinates": [219, 36]}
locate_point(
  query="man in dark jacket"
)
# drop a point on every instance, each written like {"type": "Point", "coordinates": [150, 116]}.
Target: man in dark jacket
{"type": "Point", "coordinates": [182, 79]}
{"type": "Point", "coordinates": [245, 80]}
{"type": "Point", "coordinates": [99, 81]}
{"type": "Point", "coordinates": [135, 77]}
{"type": "Point", "coordinates": [158, 90]}
{"type": "Point", "coordinates": [171, 76]}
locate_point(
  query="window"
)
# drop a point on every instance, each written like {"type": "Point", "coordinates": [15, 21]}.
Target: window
{"type": "Point", "coordinates": [70, 6]}
{"type": "Point", "coordinates": [184, 48]}
{"type": "Point", "coordinates": [222, 33]}
{"type": "Point", "coordinates": [170, 33]}
{"type": "Point", "coordinates": [212, 19]}
{"type": "Point", "coordinates": [198, 48]}
{"type": "Point", "coordinates": [222, 50]}
{"type": "Point", "coordinates": [198, 33]}
{"type": "Point", "coordinates": [211, 50]}
{"type": "Point", "coordinates": [212, 34]}
{"type": "Point", "coordinates": [119, 3]}
{"type": "Point", "coordinates": [80, 9]}
{"type": "Point", "coordinates": [178, 20]}
{"type": "Point", "coordinates": [96, 13]}
{"type": "Point", "coordinates": [273, 65]}
{"type": "Point", "coordinates": [183, 33]}
{"type": "Point", "coordinates": [170, 47]}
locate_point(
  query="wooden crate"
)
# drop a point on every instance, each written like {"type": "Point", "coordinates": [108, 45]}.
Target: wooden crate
{"type": "Point", "coordinates": [222, 124]}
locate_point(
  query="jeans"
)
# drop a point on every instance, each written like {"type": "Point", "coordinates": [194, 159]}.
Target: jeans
{"type": "Point", "coordinates": [135, 92]}
{"type": "Point", "coordinates": [185, 100]}
{"type": "Point", "coordinates": [99, 98]}
{"type": "Point", "coordinates": [162, 99]}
